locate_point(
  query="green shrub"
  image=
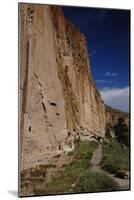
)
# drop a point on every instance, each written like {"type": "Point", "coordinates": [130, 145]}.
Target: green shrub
{"type": "Point", "coordinates": [96, 182]}
{"type": "Point", "coordinates": [114, 157]}
{"type": "Point", "coordinates": [85, 150]}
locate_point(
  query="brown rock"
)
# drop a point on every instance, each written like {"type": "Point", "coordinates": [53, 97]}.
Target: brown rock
{"type": "Point", "coordinates": [58, 92]}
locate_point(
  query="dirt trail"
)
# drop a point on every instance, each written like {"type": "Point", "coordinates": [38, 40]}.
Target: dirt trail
{"type": "Point", "coordinates": [96, 161]}
{"type": "Point", "coordinates": [97, 156]}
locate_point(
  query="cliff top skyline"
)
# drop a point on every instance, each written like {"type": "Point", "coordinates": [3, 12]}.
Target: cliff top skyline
{"type": "Point", "coordinates": [107, 33]}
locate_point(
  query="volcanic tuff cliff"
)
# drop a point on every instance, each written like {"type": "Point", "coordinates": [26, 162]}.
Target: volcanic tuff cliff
{"type": "Point", "coordinates": [112, 119]}
{"type": "Point", "coordinates": [58, 97]}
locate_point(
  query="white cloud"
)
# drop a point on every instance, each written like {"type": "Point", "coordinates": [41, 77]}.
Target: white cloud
{"type": "Point", "coordinates": [111, 74]}
{"type": "Point", "coordinates": [103, 81]}
{"type": "Point", "coordinates": [107, 74]}
{"type": "Point", "coordinates": [116, 98]}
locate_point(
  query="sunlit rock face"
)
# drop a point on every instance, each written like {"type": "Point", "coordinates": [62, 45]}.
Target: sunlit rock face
{"type": "Point", "coordinates": [58, 97]}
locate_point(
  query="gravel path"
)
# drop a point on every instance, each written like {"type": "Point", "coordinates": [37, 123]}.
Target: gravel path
{"type": "Point", "coordinates": [97, 156]}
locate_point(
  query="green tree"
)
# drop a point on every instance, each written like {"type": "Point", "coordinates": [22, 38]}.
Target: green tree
{"type": "Point", "coordinates": [122, 132]}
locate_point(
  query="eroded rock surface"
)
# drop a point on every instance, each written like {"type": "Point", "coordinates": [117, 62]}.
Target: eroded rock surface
{"type": "Point", "coordinates": [59, 99]}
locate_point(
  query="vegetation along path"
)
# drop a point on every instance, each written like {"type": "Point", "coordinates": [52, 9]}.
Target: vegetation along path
{"type": "Point", "coordinates": [96, 166]}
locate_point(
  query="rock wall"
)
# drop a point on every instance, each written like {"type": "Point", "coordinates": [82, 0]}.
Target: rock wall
{"type": "Point", "coordinates": [58, 97]}
{"type": "Point", "coordinates": [112, 118]}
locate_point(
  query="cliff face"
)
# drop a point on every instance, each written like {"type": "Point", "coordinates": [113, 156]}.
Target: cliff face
{"type": "Point", "coordinates": [58, 97]}
{"type": "Point", "coordinates": [112, 118]}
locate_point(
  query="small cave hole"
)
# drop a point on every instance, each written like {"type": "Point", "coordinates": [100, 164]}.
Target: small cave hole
{"type": "Point", "coordinates": [53, 104]}
{"type": "Point", "coordinates": [29, 128]}
{"type": "Point", "coordinates": [69, 134]}
{"type": "Point", "coordinates": [44, 174]}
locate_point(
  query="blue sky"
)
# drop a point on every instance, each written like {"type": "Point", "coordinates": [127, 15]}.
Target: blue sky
{"type": "Point", "coordinates": [107, 34]}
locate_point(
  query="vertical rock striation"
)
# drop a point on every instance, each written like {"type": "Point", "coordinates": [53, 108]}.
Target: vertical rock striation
{"type": "Point", "coordinates": [58, 97]}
